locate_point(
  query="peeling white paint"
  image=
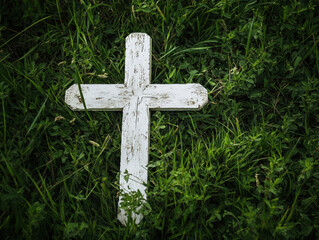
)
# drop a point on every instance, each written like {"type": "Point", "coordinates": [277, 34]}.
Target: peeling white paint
{"type": "Point", "coordinates": [136, 97]}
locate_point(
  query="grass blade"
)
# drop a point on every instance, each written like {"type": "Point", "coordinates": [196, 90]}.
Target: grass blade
{"type": "Point", "coordinates": [36, 117]}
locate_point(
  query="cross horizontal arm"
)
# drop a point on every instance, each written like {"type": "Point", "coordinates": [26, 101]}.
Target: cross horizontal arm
{"type": "Point", "coordinates": [177, 97]}
{"type": "Point", "coordinates": [98, 97]}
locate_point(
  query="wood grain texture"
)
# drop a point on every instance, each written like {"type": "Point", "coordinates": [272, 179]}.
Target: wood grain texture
{"type": "Point", "coordinates": [134, 152]}
{"type": "Point", "coordinates": [175, 97]}
{"type": "Point", "coordinates": [136, 97]}
{"type": "Point", "coordinates": [138, 61]}
{"type": "Point", "coordinates": [98, 97]}
{"type": "Point", "coordinates": [136, 120]}
{"type": "Point", "coordinates": [113, 97]}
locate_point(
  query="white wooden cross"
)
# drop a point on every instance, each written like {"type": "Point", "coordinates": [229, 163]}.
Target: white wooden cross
{"type": "Point", "coordinates": [136, 97]}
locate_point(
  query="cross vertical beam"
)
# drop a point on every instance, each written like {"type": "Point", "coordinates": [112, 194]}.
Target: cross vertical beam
{"type": "Point", "coordinates": [136, 121]}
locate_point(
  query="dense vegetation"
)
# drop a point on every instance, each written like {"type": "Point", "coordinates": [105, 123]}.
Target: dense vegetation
{"type": "Point", "coordinates": [244, 167]}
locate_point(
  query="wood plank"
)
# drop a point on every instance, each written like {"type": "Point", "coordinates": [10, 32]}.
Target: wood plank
{"type": "Point", "coordinates": [134, 153]}
{"type": "Point", "coordinates": [136, 122]}
{"type": "Point", "coordinates": [98, 97]}
{"type": "Point", "coordinates": [138, 61]}
{"type": "Point", "coordinates": [177, 97]}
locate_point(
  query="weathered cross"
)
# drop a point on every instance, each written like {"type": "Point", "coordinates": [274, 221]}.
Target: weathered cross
{"type": "Point", "coordinates": [136, 97]}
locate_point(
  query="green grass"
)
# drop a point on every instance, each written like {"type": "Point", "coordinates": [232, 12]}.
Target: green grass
{"type": "Point", "coordinates": [244, 167]}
